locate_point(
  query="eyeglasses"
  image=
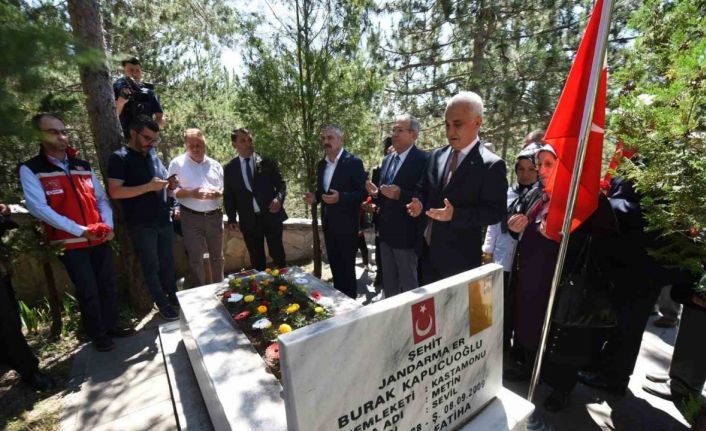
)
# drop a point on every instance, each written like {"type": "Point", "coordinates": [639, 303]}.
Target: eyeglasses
{"type": "Point", "coordinates": [151, 140]}
{"type": "Point", "coordinates": [56, 132]}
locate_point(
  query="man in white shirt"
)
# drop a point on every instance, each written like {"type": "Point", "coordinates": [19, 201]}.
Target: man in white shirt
{"type": "Point", "coordinates": [199, 196]}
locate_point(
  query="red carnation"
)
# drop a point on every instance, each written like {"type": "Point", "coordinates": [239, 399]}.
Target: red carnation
{"type": "Point", "coordinates": [226, 295]}
{"type": "Point", "coordinates": [272, 352]}
{"type": "Point", "coordinates": [242, 315]}
{"type": "Point", "coordinates": [316, 295]}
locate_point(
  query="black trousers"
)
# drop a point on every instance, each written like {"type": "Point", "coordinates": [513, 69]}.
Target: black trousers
{"type": "Point", "coordinates": [14, 350]}
{"type": "Point", "coordinates": [255, 235]}
{"type": "Point", "coordinates": [341, 251]}
{"type": "Point", "coordinates": [92, 273]}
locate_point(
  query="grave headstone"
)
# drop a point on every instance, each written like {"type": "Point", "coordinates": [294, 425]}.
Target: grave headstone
{"type": "Point", "coordinates": [429, 359]}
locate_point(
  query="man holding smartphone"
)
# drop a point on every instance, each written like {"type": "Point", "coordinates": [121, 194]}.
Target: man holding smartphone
{"type": "Point", "coordinates": [199, 195]}
{"type": "Point", "coordinates": [340, 188]}
{"type": "Point", "coordinates": [137, 177]}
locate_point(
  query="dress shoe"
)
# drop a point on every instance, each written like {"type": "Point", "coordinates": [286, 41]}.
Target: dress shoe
{"type": "Point", "coordinates": [41, 381]}
{"type": "Point", "coordinates": [662, 390]}
{"type": "Point", "coordinates": [103, 345]}
{"type": "Point", "coordinates": [598, 381]}
{"type": "Point", "coordinates": [121, 332]}
{"type": "Point", "coordinates": [657, 377]}
{"type": "Point", "coordinates": [168, 313]}
{"type": "Point", "coordinates": [665, 322]}
{"type": "Point", "coordinates": [556, 401]}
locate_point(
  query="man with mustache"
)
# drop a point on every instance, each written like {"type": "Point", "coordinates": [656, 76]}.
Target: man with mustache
{"type": "Point", "coordinates": [340, 188]}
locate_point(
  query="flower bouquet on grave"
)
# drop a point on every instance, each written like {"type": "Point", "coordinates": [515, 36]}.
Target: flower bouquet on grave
{"type": "Point", "coordinates": [267, 304]}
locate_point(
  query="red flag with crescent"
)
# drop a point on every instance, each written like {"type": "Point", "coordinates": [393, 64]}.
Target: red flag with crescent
{"type": "Point", "coordinates": [423, 320]}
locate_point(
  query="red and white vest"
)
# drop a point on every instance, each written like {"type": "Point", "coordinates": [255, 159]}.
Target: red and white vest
{"type": "Point", "coordinates": [69, 194]}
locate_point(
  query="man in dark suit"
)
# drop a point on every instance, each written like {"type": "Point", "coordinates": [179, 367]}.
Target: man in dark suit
{"type": "Point", "coordinates": [463, 189]}
{"type": "Point", "coordinates": [399, 174]}
{"type": "Point", "coordinates": [255, 191]}
{"type": "Point", "coordinates": [340, 188]}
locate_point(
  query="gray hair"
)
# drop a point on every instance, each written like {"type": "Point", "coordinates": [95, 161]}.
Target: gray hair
{"type": "Point", "coordinates": [469, 98]}
{"type": "Point", "coordinates": [535, 136]}
{"type": "Point", "coordinates": [336, 129]}
{"type": "Point", "coordinates": [414, 123]}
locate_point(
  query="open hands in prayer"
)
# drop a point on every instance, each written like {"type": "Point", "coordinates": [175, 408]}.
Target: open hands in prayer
{"type": "Point", "coordinates": [390, 191]}
{"type": "Point", "coordinates": [414, 208]}
{"type": "Point", "coordinates": [517, 223]}
{"type": "Point", "coordinates": [371, 188]}
{"type": "Point", "coordinates": [275, 205]}
{"type": "Point", "coordinates": [441, 214]}
{"type": "Point", "coordinates": [331, 197]}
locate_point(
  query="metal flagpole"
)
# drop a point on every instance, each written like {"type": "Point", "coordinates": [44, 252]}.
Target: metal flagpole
{"type": "Point", "coordinates": [586, 122]}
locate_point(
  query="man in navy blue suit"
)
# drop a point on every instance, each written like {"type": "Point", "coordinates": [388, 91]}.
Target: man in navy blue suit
{"type": "Point", "coordinates": [254, 194]}
{"type": "Point", "coordinates": [463, 189]}
{"type": "Point", "coordinates": [399, 174]}
{"type": "Point", "coordinates": [340, 188]}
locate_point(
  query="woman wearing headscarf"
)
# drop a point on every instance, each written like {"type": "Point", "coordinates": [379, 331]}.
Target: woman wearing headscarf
{"type": "Point", "coordinates": [535, 262]}
{"type": "Point", "coordinates": [499, 245]}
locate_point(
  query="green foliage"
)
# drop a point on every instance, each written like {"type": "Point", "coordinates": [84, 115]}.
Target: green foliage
{"type": "Point", "coordinates": [661, 111]}
{"type": "Point", "coordinates": [516, 55]}
{"type": "Point", "coordinates": [29, 317]}
{"type": "Point", "coordinates": [179, 44]}
{"type": "Point", "coordinates": [312, 69]}
{"type": "Point", "coordinates": [39, 316]}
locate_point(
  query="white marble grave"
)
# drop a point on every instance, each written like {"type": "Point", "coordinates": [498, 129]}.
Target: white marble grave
{"type": "Point", "coordinates": [429, 359]}
{"type": "Point", "coordinates": [239, 392]}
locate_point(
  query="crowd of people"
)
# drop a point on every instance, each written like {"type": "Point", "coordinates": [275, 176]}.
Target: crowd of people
{"type": "Point", "coordinates": [435, 214]}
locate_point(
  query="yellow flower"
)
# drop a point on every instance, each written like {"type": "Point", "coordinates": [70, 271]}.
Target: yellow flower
{"type": "Point", "coordinates": [275, 273]}
{"type": "Point", "coordinates": [262, 309]}
{"type": "Point", "coordinates": [238, 281]}
{"type": "Point", "coordinates": [319, 310]}
{"type": "Point", "coordinates": [284, 328]}
{"type": "Point", "coordinates": [268, 270]}
{"type": "Point", "coordinates": [282, 288]}
{"type": "Point", "coordinates": [252, 277]}
{"type": "Point", "coordinates": [249, 298]}
{"type": "Point", "coordinates": [292, 308]}
{"type": "Point", "coordinates": [264, 283]}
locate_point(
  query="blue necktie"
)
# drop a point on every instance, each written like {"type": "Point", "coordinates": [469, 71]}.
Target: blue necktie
{"type": "Point", "coordinates": [248, 172]}
{"type": "Point", "coordinates": [391, 170]}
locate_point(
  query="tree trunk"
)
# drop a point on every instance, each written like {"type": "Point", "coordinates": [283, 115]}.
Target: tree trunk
{"type": "Point", "coordinates": [100, 104]}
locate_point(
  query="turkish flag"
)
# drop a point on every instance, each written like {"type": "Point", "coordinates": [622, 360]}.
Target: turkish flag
{"type": "Point", "coordinates": [565, 130]}
{"type": "Point", "coordinates": [620, 152]}
{"type": "Point", "coordinates": [423, 320]}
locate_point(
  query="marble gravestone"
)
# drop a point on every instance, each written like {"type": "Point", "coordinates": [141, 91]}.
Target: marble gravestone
{"type": "Point", "coordinates": [429, 359]}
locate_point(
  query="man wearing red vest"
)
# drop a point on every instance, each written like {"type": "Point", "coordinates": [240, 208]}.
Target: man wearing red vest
{"type": "Point", "coordinates": [63, 192]}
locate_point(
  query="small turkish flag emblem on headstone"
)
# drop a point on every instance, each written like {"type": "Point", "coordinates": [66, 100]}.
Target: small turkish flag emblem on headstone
{"type": "Point", "coordinates": [423, 320]}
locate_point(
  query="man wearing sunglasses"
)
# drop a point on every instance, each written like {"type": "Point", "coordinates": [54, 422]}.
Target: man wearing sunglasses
{"type": "Point", "coordinates": [63, 192]}
{"type": "Point", "coordinates": [138, 178]}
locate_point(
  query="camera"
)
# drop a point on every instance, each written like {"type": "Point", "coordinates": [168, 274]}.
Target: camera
{"type": "Point", "coordinates": [132, 91]}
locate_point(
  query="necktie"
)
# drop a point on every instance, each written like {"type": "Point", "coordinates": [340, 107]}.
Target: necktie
{"type": "Point", "coordinates": [392, 169]}
{"type": "Point", "coordinates": [452, 167]}
{"type": "Point", "coordinates": [248, 172]}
